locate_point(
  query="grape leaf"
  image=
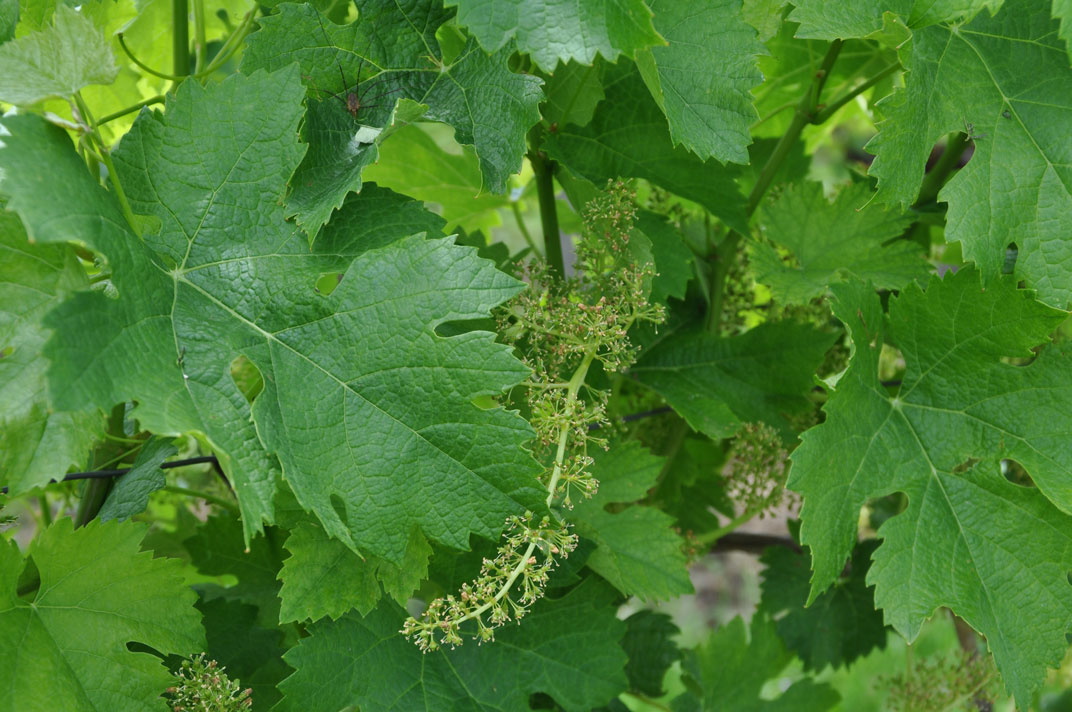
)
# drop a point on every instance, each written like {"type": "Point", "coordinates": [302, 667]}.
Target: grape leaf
{"type": "Point", "coordinates": [130, 495]}
{"type": "Point", "coordinates": [66, 648]}
{"type": "Point", "coordinates": [568, 648]}
{"type": "Point", "coordinates": [716, 383]}
{"type": "Point", "coordinates": [573, 92]}
{"type": "Point", "coordinates": [1062, 11]}
{"type": "Point", "coordinates": [57, 61]}
{"type": "Point", "coordinates": [733, 667]}
{"type": "Point", "coordinates": [249, 652]}
{"type": "Point", "coordinates": [37, 442]}
{"type": "Point", "coordinates": [702, 78]}
{"type": "Point", "coordinates": [994, 552]}
{"type": "Point", "coordinates": [9, 17]}
{"type": "Point", "coordinates": [416, 166]}
{"type": "Point", "coordinates": [490, 107]}
{"type": "Point", "coordinates": [829, 19]}
{"type": "Point", "coordinates": [323, 577]}
{"type": "Point", "coordinates": [838, 627]}
{"type": "Point", "coordinates": [551, 31]}
{"type": "Point", "coordinates": [833, 240]}
{"type": "Point", "coordinates": [217, 549]}
{"type": "Point", "coordinates": [1018, 185]}
{"type": "Point", "coordinates": [636, 549]}
{"type": "Point", "coordinates": [648, 642]}
{"type": "Point", "coordinates": [332, 376]}
{"type": "Point", "coordinates": [673, 258]}
{"type": "Point", "coordinates": [628, 137]}
{"type": "Point", "coordinates": [764, 15]}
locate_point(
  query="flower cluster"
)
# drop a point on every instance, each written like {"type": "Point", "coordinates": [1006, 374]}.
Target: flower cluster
{"type": "Point", "coordinates": [757, 470]}
{"type": "Point", "coordinates": [560, 328]}
{"type": "Point", "coordinates": [203, 687]}
{"type": "Point", "coordinates": [959, 681]}
{"type": "Point", "coordinates": [527, 554]}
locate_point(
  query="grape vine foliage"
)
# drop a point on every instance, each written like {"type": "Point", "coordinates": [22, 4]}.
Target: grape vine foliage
{"type": "Point", "coordinates": [436, 355]}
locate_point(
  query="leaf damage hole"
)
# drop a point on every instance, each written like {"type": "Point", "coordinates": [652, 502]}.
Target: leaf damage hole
{"type": "Point", "coordinates": [327, 282]}
{"type": "Point", "coordinates": [247, 378]}
{"type": "Point", "coordinates": [965, 466]}
{"type": "Point", "coordinates": [1015, 473]}
{"type": "Point", "coordinates": [1012, 252]}
{"type": "Point", "coordinates": [339, 506]}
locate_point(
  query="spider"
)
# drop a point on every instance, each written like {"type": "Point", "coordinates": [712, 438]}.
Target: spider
{"type": "Point", "coordinates": [353, 100]}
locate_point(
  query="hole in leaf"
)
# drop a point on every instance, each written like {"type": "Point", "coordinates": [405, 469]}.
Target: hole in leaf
{"type": "Point", "coordinates": [247, 378]}
{"type": "Point", "coordinates": [340, 509]}
{"type": "Point", "coordinates": [7, 351]}
{"type": "Point", "coordinates": [1014, 472]}
{"type": "Point", "coordinates": [326, 283]}
{"type": "Point", "coordinates": [1011, 253]}
{"type": "Point", "coordinates": [463, 326]}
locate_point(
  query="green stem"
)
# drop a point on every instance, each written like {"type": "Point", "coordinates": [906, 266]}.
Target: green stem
{"type": "Point", "coordinates": [199, 35]}
{"type": "Point", "coordinates": [105, 155]}
{"type": "Point", "coordinates": [46, 510]}
{"type": "Point", "coordinates": [180, 38]}
{"type": "Point", "coordinates": [544, 170]}
{"type": "Point", "coordinates": [575, 383]}
{"type": "Point", "coordinates": [522, 227]}
{"type": "Point", "coordinates": [218, 501]}
{"type": "Point", "coordinates": [830, 109]}
{"type": "Point", "coordinates": [713, 536]}
{"type": "Point", "coordinates": [231, 45]}
{"type": "Point", "coordinates": [158, 99]}
{"type": "Point", "coordinates": [939, 173]}
{"type": "Point", "coordinates": [142, 65]}
{"type": "Point", "coordinates": [802, 116]}
{"type": "Point", "coordinates": [647, 700]}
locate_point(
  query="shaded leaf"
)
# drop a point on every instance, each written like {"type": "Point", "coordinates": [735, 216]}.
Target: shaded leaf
{"type": "Point", "coordinates": [628, 137]}
{"type": "Point", "coordinates": [651, 651]}
{"type": "Point", "coordinates": [568, 648]}
{"type": "Point", "coordinates": [823, 19]}
{"type": "Point", "coordinates": [130, 494]}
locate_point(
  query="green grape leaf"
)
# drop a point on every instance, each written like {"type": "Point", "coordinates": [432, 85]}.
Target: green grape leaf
{"type": "Point", "coordinates": [716, 383]}
{"type": "Point", "coordinates": [1017, 187]}
{"type": "Point", "coordinates": [37, 442]}
{"type": "Point", "coordinates": [636, 549]}
{"type": "Point", "coordinates": [249, 652]}
{"type": "Point", "coordinates": [415, 165]}
{"type": "Point", "coordinates": [57, 61]}
{"type": "Point", "coordinates": [66, 647]}
{"type": "Point", "coordinates": [732, 668]}
{"type": "Point", "coordinates": [217, 549]}
{"type": "Point", "coordinates": [573, 92]}
{"type": "Point", "coordinates": [489, 107]}
{"type": "Point", "coordinates": [673, 258]}
{"type": "Point", "coordinates": [9, 17]}
{"type": "Point", "coordinates": [693, 485]}
{"type": "Point", "coordinates": [995, 553]}
{"type": "Point", "coordinates": [649, 644]}
{"type": "Point", "coordinates": [551, 31]}
{"type": "Point", "coordinates": [764, 15]}
{"type": "Point", "coordinates": [568, 648]}
{"type": "Point", "coordinates": [703, 77]}
{"type": "Point", "coordinates": [628, 137]}
{"type": "Point", "coordinates": [130, 495]}
{"type": "Point", "coordinates": [331, 374]}
{"type": "Point", "coordinates": [832, 241]}
{"type": "Point", "coordinates": [323, 577]}
{"type": "Point", "coordinates": [1062, 11]}
{"type": "Point", "coordinates": [823, 19]}
{"type": "Point", "coordinates": [838, 627]}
